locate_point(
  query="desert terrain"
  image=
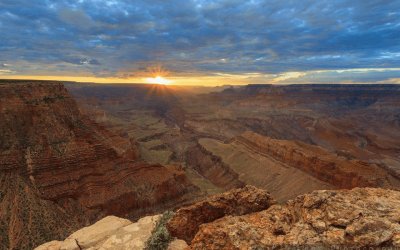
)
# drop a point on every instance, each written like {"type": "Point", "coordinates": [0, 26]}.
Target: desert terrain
{"type": "Point", "coordinates": [250, 135]}
{"type": "Point", "coordinates": [74, 153]}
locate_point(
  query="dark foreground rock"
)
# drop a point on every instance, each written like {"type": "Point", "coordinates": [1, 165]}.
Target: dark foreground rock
{"type": "Point", "coordinates": [187, 220]}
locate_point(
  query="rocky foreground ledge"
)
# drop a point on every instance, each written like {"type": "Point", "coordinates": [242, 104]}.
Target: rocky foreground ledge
{"type": "Point", "coordinates": [361, 217]}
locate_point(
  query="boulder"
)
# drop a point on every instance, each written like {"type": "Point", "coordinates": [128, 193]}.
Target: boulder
{"type": "Point", "coordinates": [177, 244]}
{"type": "Point", "coordinates": [109, 233]}
{"type": "Point", "coordinates": [186, 221]}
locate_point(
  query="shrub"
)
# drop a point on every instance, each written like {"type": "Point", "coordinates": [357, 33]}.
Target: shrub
{"type": "Point", "coordinates": [160, 237]}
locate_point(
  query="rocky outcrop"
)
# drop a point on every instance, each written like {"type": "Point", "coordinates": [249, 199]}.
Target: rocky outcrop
{"type": "Point", "coordinates": [320, 163]}
{"type": "Point", "coordinates": [186, 221]}
{"type": "Point", "coordinates": [109, 233]}
{"type": "Point", "coordinates": [63, 159]}
{"type": "Point", "coordinates": [362, 217]}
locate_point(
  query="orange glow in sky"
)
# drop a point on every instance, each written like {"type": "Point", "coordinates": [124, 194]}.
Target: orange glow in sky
{"type": "Point", "coordinates": [158, 80]}
{"type": "Point", "coordinates": [171, 80]}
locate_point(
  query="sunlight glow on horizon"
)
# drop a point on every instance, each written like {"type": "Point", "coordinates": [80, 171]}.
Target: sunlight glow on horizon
{"type": "Point", "coordinates": [158, 80]}
{"type": "Point", "coordinates": [159, 76]}
{"type": "Point", "coordinates": [177, 80]}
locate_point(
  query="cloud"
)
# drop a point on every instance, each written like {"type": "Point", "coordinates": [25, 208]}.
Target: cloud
{"type": "Point", "coordinates": [81, 60]}
{"type": "Point", "coordinates": [288, 75]}
{"type": "Point", "coordinates": [203, 37]}
{"type": "Point", "coordinates": [5, 71]}
{"type": "Point", "coordinates": [77, 19]}
{"type": "Point", "coordinates": [361, 75]}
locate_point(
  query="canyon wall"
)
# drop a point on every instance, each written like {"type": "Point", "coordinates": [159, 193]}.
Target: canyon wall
{"type": "Point", "coordinates": [320, 163]}
{"type": "Point", "coordinates": [64, 160]}
{"type": "Point", "coordinates": [212, 167]}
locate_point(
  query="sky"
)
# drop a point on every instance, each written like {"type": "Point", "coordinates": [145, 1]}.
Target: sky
{"type": "Point", "coordinates": [201, 42]}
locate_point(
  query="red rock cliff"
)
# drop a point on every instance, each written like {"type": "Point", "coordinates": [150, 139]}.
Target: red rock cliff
{"type": "Point", "coordinates": [66, 159]}
{"type": "Point", "coordinates": [320, 163]}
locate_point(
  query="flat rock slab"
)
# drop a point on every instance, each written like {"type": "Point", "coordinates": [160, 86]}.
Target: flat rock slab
{"type": "Point", "coordinates": [109, 233]}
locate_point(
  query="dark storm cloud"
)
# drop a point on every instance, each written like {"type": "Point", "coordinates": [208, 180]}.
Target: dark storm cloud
{"type": "Point", "coordinates": [232, 36]}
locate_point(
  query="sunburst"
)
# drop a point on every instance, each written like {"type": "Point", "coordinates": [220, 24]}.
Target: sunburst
{"type": "Point", "coordinates": [158, 75]}
{"type": "Point", "coordinates": [158, 80]}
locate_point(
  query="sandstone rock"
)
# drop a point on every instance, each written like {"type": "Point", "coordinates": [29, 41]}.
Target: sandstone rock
{"type": "Point", "coordinates": [362, 217]}
{"type": "Point", "coordinates": [52, 245]}
{"type": "Point", "coordinates": [186, 221]}
{"type": "Point", "coordinates": [109, 233]}
{"type": "Point", "coordinates": [90, 236]}
{"type": "Point", "coordinates": [177, 244]}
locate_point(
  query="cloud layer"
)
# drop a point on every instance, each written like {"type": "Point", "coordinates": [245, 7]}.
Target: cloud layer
{"type": "Point", "coordinates": [278, 39]}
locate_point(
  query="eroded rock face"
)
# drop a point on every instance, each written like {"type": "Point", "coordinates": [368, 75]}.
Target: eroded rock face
{"type": "Point", "coordinates": [186, 221]}
{"type": "Point", "coordinates": [212, 167]}
{"type": "Point", "coordinates": [81, 170]}
{"type": "Point", "coordinates": [361, 217]}
{"type": "Point", "coordinates": [109, 233]}
{"type": "Point", "coordinates": [320, 163]}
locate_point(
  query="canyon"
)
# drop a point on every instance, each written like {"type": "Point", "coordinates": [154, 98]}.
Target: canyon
{"type": "Point", "coordinates": [74, 153]}
{"type": "Point", "coordinates": [288, 139]}
{"type": "Point", "coordinates": [60, 170]}
{"type": "Point", "coordinates": [249, 218]}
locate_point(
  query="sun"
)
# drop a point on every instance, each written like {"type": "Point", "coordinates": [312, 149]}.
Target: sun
{"type": "Point", "coordinates": [158, 80]}
{"type": "Point", "coordinates": [158, 74]}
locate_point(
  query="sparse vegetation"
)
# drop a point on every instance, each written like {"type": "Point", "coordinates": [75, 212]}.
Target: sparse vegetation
{"type": "Point", "coordinates": [160, 237]}
{"type": "Point", "coordinates": [51, 99]}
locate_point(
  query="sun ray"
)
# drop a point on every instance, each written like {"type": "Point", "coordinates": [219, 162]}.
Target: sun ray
{"type": "Point", "coordinates": [158, 80]}
{"type": "Point", "coordinates": [158, 74]}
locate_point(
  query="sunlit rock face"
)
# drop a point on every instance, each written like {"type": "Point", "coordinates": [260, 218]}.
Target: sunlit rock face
{"type": "Point", "coordinates": [109, 233]}
{"type": "Point", "coordinates": [362, 217]}
{"type": "Point", "coordinates": [68, 168]}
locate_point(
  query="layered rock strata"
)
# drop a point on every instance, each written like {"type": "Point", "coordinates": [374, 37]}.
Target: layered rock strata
{"type": "Point", "coordinates": [62, 158]}
{"type": "Point", "coordinates": [320, 163]}
{"type": "Point", "coordinates": [212, 167]}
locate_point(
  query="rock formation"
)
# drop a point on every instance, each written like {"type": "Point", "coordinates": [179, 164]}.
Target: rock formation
{"type": "Point", "coordinates": [186, 221]}
{"type": "Point", "coordinates": [362, 217]}
{"type": "Point", "coordinates": [109, 233]}
{"type": "Point", "coordinates": [212, 167]}
{"type": "Point", "coordinates": [66, 166]}
{"type": "Point", "coordinates": [60, 171]}
{"type": "Point", "coordinates": [247, 219]}
{"type": "Point", "coordinates": [356, 121]}
{"type": "Point", "coordinates": [320, 163]}
{"type": "Point", "coordinates": [355, 125]}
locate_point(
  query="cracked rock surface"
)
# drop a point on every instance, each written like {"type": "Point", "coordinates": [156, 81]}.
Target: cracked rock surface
{"type": "Point", "coordinates": [361, 217]}
{"type": "Point", "coordinates": [186, 221]}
